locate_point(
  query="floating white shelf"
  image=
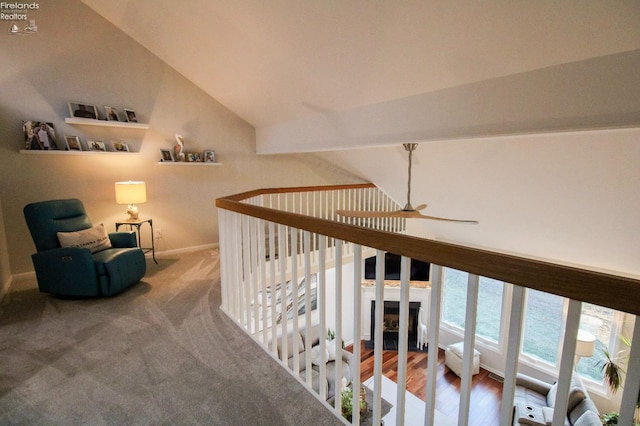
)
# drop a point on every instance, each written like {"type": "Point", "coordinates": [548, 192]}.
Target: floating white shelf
{"type": "Point", "coordinates": [186, 163]}
{"type": "Point", "coordinates": [62, 152]}
{"type": "Point", "coordinates": [104, 123]}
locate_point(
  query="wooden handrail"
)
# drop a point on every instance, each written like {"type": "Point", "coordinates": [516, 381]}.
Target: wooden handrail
{"type": "Point", "coordinates": [618, 292]}
{"type": "Point", "coordinates": [264, 191]}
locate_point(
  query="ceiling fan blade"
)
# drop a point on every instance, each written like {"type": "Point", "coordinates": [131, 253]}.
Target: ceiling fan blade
{"type": "Point", "coordinates": [421, 216]}
{"type": "Point", "coordinates": [405, 214]}
{"type": "Point", "coordinates": [420, 207]}
{"type": "Point", "coordinates": [370, 214]}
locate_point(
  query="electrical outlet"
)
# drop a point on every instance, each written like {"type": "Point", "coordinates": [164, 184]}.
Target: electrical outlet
{"type": "Point", "coordinates": [158, 232]}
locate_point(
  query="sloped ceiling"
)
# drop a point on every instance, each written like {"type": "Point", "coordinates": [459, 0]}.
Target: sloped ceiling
{"type": "Point", "coordinates": [280, 61]}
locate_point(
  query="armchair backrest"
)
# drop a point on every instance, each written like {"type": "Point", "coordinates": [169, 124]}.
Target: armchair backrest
{"type": "Point", "coordinates": [46, 218]}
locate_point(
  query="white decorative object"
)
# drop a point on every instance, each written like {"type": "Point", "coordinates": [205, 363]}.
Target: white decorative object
{"type": "Point", "coordinates": [179, 149]}
{"type": "Point", "coordinates": [422, 329]}
{"type": "Point", "coordinates": [95, 239]}
{"type": "Point", "coordinates": [453, 359]}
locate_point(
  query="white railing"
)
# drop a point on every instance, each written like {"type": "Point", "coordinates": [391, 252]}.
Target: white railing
{"type": "Point", "coordinates": [273, 263]}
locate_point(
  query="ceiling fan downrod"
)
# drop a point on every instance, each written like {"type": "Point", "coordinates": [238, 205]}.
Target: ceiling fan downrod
{"type": "Point", "coordinates": [410, 147]}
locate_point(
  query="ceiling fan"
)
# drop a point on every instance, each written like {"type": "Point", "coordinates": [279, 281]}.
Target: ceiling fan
{"type": "Point", "coordinates": [408, 212]}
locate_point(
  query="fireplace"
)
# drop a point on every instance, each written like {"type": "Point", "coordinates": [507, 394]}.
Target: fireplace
{"type": "Point", "coordinates": [391, 323]}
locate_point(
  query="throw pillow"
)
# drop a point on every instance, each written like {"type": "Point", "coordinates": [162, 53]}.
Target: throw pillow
{"type": "Point", "coordinates": [315, 355]}
{"type": "Point", "coordinates": [95, 239]}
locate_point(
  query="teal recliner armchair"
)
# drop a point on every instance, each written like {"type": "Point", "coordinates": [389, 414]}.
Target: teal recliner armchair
{"type": "Point", "coordinates": [76, 259]}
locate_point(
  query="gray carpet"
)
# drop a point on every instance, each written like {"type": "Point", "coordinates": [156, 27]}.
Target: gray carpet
{"type": "Point", "coordinates": [159, 353]}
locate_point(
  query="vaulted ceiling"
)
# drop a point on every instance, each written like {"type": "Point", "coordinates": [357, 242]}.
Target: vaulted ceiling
{"type": "Point", "coordinates": [282, 61]}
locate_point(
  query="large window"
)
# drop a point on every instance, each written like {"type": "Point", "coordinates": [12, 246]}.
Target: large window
{"type": "Point", "coordinates": [489, 303]}
{"type": "Point", "coordinates": [543, 326]}
{"type": "Point", "coordinates": [544, 322]}
{"type": "Point", "coordinates": [545, 316]}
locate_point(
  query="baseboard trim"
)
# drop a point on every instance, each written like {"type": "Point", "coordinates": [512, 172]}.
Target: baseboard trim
{"type": "Point", "coordinates": [5, 288]}
{"type": "Point", "coordinates": [161, 254]}
{"type": "Point", "coordinates": [32, 274]}
{"type": "Point", "coordinates": [23, 275]}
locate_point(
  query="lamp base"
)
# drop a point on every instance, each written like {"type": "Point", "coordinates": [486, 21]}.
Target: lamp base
{"type": "Point", "coordinates": [132, 210]}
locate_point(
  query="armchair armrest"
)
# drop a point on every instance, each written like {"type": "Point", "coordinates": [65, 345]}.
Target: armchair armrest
{"type": "Point", "coordinates": [123, 239]}
{"type": "Point", "coordinates": [532, 383]}
{"type": "Point", "coordinates": [346, 356]}
{"type": "Point", "coordinates": [69, 271]}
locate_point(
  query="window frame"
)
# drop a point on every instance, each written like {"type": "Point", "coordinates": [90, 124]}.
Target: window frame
{"type": "Point", "coordinates": [482, 341]}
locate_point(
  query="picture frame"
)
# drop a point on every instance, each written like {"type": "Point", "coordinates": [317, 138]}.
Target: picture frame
{"type": "Point", "coordinates": [167, 155]}
{"type": "Point", "coordinates": [120, 146]}
{"type": "Point", "coordinates": [111, 113]}
{"type": "Point", "coordinates": [83, 110]}
{"type": "Point", "coordinates": [72, 143]}
{"type": "Point", "coordinates": [39, 135]}
{"type": "Point", "coordinates": [96, 145]}
{"type": "Point", "coordinates": [130, 115]}
{"type": "Point", "coordinates": [194, 157]}
{"type": "Point", "coordinates": [209, 156]}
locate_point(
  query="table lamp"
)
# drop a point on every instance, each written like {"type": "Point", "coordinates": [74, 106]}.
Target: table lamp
{"type": "Point", "coordinates": [585, 346]}
{"type": "Point", "coordinates": [131, 193]}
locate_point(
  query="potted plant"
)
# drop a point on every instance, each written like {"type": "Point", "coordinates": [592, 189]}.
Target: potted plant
{"type": "Point", "coordinates": [347, 406]}
{"type": "Point", "coordinates": [613, 372]}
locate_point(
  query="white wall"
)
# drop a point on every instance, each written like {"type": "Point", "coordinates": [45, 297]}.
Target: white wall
{"type": "Point", "coordinates": [569, 197]}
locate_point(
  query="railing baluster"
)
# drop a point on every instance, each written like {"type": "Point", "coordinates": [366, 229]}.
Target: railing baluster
{"type": "Point", "coordinates": [628, 407]}
{"type": "Point", "coordinates": [236, 272]}
{"type": "Point", "coordinates": [282, 260]}
{"type": "Point", "coordinates": [433, 337]}
{"type": "Point", "coordinates": [263, 278]}
{"type": "Point", "coordinates": [253, 259]}
{"type": "Point", "coordinates": [469, 345]}
{"type": "Point", "coordinates": [246, 275]}
{"type": "Point", "coordinates": [307, 301]}
{"type": "Point", "coordinates": [338, 322]}
{"type": "Point", "coordinates": [378, 338]}
{"type": "Point", "coordinates": [273, 286]}
{"type": "Point", "coordinates": [566, 362]}
{"type": "Point", "coordinates": [322, 292]}
{"type": "Point", "coordinates": [514, 339]}
{"type": "Point", "coordinates": [357, 329]}
{"type": "Point", "coordinates": [295, 291]}
{"type": "Point", "coordinates": [403, 344]}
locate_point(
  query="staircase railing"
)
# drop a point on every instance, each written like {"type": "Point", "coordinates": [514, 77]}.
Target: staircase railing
{"type": "Point", "coordinates": [288, 241]}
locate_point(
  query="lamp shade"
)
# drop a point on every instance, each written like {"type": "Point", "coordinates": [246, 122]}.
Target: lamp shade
{"type": "Point", "coordinates": [131, 192]}
{"type": "Point", "coordinates": [586, 344]}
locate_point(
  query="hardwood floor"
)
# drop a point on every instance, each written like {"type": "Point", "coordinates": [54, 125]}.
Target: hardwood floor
{"type": "Point", "coordinates": [486, 392]}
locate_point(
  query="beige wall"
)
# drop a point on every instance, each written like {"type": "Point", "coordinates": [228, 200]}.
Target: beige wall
{"type": "Point", "coordinates": [5, 271]}
{"type": "Point", "coordinates": [77, 55]}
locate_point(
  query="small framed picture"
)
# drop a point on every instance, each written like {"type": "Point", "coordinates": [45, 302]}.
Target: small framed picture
{"type": "Point", "coordinates": [82, 110]}
{"type": "Point", "coordinates": [167, 155]}
{"type": "Point", "coordinates": [209, 157]}
{"type": "Point", "coordinates": [111, 113]}
{"type": "Point", "coordinates": [73, 143]}
{"type": "Point", "coordinates": [130, 115]}
{"type": "Point", "coordinates": [96, 145]}
{"type": "Point", "coordinates": [120, 146]}
{"type": "Point", "coordinates": [194, 157]}
{"type": "Point", "coordinates": [39, 135]}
